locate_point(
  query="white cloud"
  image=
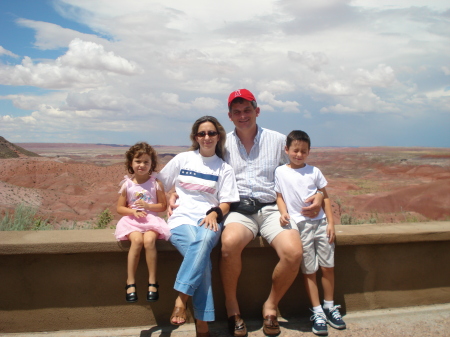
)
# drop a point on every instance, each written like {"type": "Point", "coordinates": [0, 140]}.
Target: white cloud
{"type": "Point", "coordinates": [48, 75]}
{"type": "Point", "coordinates": [92, 56]}
{"type": "Point", "coordinates": [206, 103]}
{"type": "Point", "coordinates": [277, 86]}
{"type": "Point", "coordinates": [164, 63]}
{"type": "Point", "coordinates": [287, 106]}
{"type": "Point", "coordinates": [85, 65]}
{"type": "Point", "coordinates": [383, 76]}
{"type": "Point", "coordinates": [52, 36]}
{"type": "Point", "coordinates": [3, 51]}
{"type": "Point", "coordinates": [313, 61]}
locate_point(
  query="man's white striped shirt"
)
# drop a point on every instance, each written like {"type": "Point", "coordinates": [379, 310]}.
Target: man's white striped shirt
{"type": "Point", "coordinates": [255, 172]}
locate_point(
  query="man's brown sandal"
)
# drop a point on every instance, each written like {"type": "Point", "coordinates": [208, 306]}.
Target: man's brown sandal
{"type": "Point", "coordinates": [271, 326]}
{"type": "Point", "coordinates": [178, 312]}
{"type": "Point", "coordinates": [236, 326]}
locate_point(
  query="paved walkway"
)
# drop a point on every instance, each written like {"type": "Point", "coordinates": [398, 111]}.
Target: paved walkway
{"type": "Point", "coordinates": [413, 322]}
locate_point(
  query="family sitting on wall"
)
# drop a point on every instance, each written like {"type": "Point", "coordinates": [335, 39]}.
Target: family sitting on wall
{"type": "Point", "coordinates": [232, 187]}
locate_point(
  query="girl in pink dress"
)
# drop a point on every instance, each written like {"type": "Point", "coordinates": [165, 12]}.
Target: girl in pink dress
{"type": "Point", "coordinates": [141, 198]}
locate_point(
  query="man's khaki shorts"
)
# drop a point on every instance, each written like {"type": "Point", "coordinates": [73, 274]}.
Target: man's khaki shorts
{"type": "Point", "coordinates": [266, 222]}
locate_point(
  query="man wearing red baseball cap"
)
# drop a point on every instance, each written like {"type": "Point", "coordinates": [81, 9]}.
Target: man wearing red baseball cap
{"type": "Point", "coordinates": [255, 153]}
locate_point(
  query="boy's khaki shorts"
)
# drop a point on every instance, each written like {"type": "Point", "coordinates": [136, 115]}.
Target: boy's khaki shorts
{"type": "Point", "coordinates": [317, 251]}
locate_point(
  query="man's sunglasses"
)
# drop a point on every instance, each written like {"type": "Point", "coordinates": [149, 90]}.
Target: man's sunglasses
{"type": "Point", "coordinates": [202, 134]}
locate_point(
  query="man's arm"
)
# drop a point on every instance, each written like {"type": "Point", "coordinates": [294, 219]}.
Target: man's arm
{"type": "Point", "coordinates": [172, 203]}
{"type": "Point", "coordinates": [312, 210]}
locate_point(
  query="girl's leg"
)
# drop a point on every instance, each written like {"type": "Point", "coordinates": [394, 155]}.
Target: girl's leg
{"type": "Point", "coordinates": [150, 238]}
{"type": "Point", "coordinates": [328, 283]}
{"type": "Point", "coordinates": [137, 241]}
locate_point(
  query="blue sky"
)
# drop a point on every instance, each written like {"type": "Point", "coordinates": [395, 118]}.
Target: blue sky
{"type": "Point", "coordinates": [350, 73]}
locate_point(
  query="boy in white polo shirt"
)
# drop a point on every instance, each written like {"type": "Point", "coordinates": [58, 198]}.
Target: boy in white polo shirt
{"type": "Point", "coordinates": [294, 183]}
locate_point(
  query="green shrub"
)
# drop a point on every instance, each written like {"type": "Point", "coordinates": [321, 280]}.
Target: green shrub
{"type": "Point", "coordinates": [346, 219]}
{"type": "Point", "coordinates": [104, 219]}
{"type": "Point", "coordinates": [24, 218]}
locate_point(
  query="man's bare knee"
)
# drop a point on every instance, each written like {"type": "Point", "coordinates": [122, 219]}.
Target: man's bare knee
{"type": "Point", "coordinates": [229, 248]}
{"type": "Point", "coordinates": [292, 257]}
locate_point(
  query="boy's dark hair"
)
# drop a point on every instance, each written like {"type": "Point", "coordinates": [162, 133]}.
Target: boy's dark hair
{"type": "Point", "coordinates": [299, 135]}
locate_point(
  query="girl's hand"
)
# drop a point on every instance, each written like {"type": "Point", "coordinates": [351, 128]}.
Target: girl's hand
{"type": "Point", "coordinates": [210, 222]}
{"type": "Point", "coordinates": [331, 235]}
{"type": "Point", "coordinates": [139, 214]}
{"type": "Point", "coordinates": [141, 203]}
{"type": "Point", "coordinates": [284, 219]}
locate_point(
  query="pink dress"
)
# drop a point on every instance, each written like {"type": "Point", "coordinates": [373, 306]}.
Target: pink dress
{"type": "Point", "coordinates": [152, 222]}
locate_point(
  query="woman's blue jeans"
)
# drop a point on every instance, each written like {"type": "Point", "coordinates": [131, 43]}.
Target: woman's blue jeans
{"type": "Point", "coordinates": [195, 243]}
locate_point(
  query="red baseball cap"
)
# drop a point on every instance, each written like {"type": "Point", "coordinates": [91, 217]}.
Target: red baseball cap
{"type": "Point", "coordinates": [243, 93]}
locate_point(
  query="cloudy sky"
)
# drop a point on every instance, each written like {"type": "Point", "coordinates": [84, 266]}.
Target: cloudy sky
{"type": "Point", "coordinates": [350, 73]}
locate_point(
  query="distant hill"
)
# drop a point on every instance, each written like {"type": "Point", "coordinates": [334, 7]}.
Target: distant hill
{"type": "Point", "coordinates": [9, 150]}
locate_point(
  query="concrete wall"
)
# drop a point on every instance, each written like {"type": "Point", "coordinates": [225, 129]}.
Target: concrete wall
{"type": "Point", "coordinates": [63, 280]}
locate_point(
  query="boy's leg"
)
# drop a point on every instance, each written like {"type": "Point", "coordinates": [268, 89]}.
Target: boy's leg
{"type": "Point", "coordinates": [331, 311]}
{"type": "Point", "coordinates": [308, 231]}
{"type": "Point", "coordinates": [312, 289]}
{"type": "Point", "coordinates": [319, 320]}
{"type": "Point", "coordinates": [328, 283]}
{"type": "Point", "coordinates": [326, 261]}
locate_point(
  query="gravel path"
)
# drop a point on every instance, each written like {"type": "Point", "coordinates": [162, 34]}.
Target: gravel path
{"type": "Point", "coordinates": [410, 322]}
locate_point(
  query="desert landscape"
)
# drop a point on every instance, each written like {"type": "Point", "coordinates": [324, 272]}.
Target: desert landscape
{"type": "Point", "coordinates": [72, 184]}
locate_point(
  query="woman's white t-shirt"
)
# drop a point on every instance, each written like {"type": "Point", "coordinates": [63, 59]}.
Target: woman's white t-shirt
{"type": "Point", "coordinates": [200, 182]}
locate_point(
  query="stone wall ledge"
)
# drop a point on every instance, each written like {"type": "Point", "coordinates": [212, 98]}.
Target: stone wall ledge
{"type": "Point", "coordinates": [103, 241]}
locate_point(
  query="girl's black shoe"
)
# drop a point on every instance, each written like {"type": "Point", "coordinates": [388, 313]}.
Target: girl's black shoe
{"type": "Point", "coordinates": [131, 297]}
{"type": "Point", "coordinates": [153, 296]}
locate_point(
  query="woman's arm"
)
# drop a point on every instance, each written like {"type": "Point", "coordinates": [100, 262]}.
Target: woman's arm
{"type": "Point", "coordinates": [212, 219]}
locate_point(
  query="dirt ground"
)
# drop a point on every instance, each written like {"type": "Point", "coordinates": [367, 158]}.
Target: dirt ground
{"type": "Point", "coordinates": [71, 184]}
{"type": "Point", "coordinates": [432, 321]}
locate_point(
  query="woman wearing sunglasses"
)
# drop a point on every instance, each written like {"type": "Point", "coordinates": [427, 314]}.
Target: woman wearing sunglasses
{"type": "Point", "coordinates": [206, 186]}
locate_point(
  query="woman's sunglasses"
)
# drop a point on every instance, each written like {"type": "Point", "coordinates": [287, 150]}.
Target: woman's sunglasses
{"type": "Point", "coordinates": [202, 134]}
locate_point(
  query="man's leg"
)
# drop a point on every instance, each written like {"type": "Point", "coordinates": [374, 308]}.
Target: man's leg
{"type": "Point", "coordinates": [235, 237]}
{"type": "Point", "coordinates": [288, 246]}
